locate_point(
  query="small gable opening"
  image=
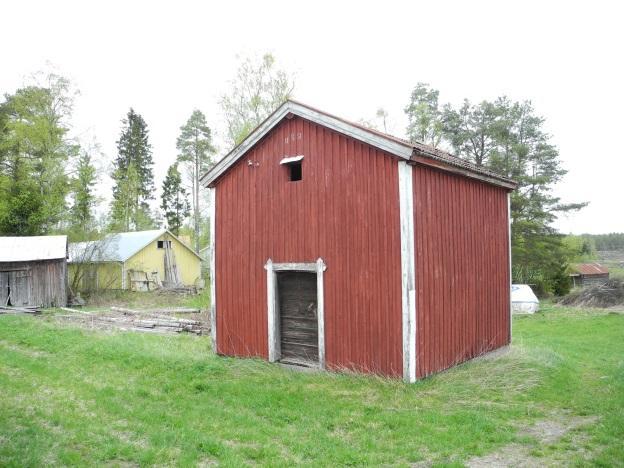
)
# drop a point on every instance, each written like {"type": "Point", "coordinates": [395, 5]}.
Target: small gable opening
{"type": "Point", "coordinates": [294, 166]}
{"type": "Point", "coordinates": [163, 244]}
{"type": "Point", "coordinates": [295, 171]}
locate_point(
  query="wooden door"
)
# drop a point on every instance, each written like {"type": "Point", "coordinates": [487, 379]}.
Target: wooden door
{"type": "Point", "coordinates": [298, 317]}
{"type": "Point", "coordinates": [4, 287]}
{"type": "Point", "coordinates": [20, 286]}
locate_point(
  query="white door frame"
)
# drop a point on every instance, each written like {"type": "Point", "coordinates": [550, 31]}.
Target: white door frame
{"type": "Point", "coordinates": [272, 269]}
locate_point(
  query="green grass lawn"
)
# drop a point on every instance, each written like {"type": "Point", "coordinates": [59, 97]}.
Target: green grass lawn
{"type": "Point", "coordinates": [70, 396]}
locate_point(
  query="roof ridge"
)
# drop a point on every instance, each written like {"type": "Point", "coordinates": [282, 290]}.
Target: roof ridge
{"type": "Point", "coordinates": [418, 145]}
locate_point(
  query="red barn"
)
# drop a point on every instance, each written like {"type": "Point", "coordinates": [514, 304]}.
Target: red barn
{"type": "Point", "coordinates": [341, 247]}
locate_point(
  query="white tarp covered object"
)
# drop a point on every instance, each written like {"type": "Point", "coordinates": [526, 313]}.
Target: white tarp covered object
{"type": "Point", "coordinates": [523, 300]}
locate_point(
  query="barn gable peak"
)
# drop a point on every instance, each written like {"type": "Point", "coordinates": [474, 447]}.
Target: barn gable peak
{"type": "Point", "coordinates": [292, 108]}
{"type": "Point", "coordinates": [416, 153]}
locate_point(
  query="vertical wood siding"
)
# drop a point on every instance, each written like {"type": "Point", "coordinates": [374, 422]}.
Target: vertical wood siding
{"type": "Point", "coordinates": [346, 211]}
{"type": "Point", "coordinates": [48, 281]}
{"type": "Point", "coordinates": [462, 269]}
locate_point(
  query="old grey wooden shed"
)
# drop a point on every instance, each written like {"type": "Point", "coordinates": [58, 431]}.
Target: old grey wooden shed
{"type": "Point", "coordinates": [33, 271]}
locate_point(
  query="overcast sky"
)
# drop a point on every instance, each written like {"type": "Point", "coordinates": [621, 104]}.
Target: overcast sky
{"type": "Point", "coordinates": [349, 58]}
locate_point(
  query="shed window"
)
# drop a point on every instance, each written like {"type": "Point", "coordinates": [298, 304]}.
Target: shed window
{"type": "Point", "coordinates": [163, 244]}
{"type": "Point", "coordinates": [293, 164]}
{"type": "Point", "coordinates": [295, 171]}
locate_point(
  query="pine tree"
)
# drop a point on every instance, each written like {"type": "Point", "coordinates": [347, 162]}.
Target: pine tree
{"type": "Point", "coordinates": [174, 203]}
{"type": "Point", "coordinates": [125, 207]}
{"type": "Point", "coordinates": [195, 146]}
{"type": "Point", "coordinates": [508, 137]}
{"type": "Point", "coordinates": [133, 151]}
{"type": "Point", "coordinates": [83, 199]}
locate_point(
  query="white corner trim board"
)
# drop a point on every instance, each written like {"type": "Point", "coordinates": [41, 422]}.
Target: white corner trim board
{"type": "Point", "coordinates": [289, 107]}
{"type": "Point", "coordinates": [408, 271]}
{"type": "Point", "coordinates": [320, 306]}
{"type": "Point", "coordinates": [272, 269]}
{"type": "Point", "coordinates": [509, 259]}
{"type": "Point", "coordinates": [212, 192]}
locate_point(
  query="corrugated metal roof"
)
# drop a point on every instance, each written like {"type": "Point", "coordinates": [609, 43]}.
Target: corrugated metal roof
{"type": "Point", "coordinates": [117, 247]}
{"type": "Point", "coordinates": [590, 269]}
{"type": "Point", "coordinates": [30, 248]}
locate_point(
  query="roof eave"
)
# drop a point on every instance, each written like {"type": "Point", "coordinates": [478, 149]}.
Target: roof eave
{"type": "Point", "coordinates": [432, 161]}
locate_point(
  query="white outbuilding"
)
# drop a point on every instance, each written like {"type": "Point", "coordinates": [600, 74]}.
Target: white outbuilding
{"type": "Point", "coordinates": [523, 299]}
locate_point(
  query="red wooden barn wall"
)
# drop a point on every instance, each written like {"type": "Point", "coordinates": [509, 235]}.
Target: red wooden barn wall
{"type": "Point", "coordinates": [346, 211]}
{"type": "Point", "coordinates": [462, 269]}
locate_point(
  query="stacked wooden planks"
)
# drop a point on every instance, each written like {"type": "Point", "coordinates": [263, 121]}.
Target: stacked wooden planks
{"type": "Point", "coordinates": [19, 310]}
{"type": "Point", "coordinates": [138, 320]}
{"type": "Point", "coordinates": [172, 274]}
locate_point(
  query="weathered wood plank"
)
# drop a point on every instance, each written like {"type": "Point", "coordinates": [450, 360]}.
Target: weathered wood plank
{"type": "Point", "coordinates": [298, 316]}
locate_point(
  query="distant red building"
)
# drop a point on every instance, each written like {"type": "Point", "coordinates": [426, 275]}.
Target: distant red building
{"type": "Point", "coordinates": [342, 247]}
{"type": "Point", "coordinates": [589, 274]}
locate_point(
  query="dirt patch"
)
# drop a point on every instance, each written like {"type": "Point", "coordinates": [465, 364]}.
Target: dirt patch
{"type": "Point", "coordinates": [545, 432]}
{"type": "Point", "coordinates": [551, 430]}
{"type": "Point", "coordinates": [508, 456]}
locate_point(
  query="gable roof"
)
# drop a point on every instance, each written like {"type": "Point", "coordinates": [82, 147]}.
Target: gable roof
{"type": "Point", "coordinates": [412, 151]}
{"type": "Point", "coordinates": [589, 269]}
{"type": "Point", "coordinates": [29, 248]}
{"type": "Point", "coordinates": [117, 247]}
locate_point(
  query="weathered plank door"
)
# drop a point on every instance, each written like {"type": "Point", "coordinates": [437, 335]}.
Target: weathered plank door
{"type": "Point", "coordinates": [20, 287]}
{"type": "Point", "coordinates": [4, 287]}
{"type": "Point", "coordinates": [298, 317]}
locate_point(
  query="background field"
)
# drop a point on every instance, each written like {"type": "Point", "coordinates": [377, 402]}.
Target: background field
{"type": "Point", "coordinates": [75, 396]}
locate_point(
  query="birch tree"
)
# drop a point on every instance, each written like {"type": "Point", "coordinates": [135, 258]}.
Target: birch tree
{"type": "Point", "coordinates": [35, 151]}
{"type": "Point", "coordinates": [258, 89]}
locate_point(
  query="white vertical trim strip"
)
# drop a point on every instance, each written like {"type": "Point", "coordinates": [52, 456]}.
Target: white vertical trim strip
{"type": "Point", "coordinates": [408, 274]}
{"type": "Point", "coordinates": [509, 254]}
{"type": "Point", "coordinates": [272, 322]}
{"type": "Point", "coordinates": [212, 192]}
{"type": "Point", "coordinates": [320, 307]}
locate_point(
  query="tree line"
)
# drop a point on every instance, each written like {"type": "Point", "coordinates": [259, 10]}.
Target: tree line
{"type": "Point", "coordinates": [602, 242]}
{"type": "Point", "coordinates": [47, 178]}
